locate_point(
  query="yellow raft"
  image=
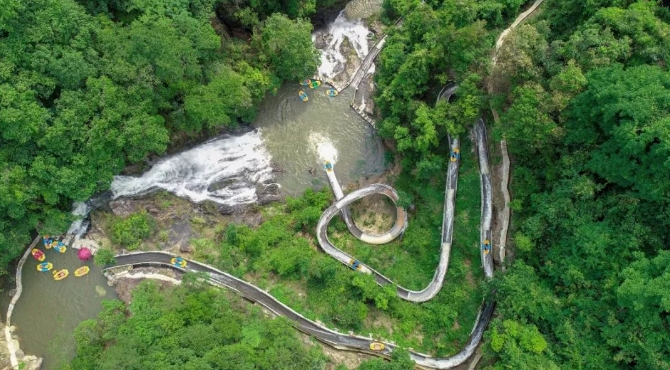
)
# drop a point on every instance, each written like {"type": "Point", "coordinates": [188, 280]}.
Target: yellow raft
{"type": "Point", "coordinates": [81, 271]}
{"type": "Point", "coordinates": [61, 274]}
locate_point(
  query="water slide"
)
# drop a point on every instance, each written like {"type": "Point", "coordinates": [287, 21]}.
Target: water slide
{"type": "Point", "coordinates": [354, 342]}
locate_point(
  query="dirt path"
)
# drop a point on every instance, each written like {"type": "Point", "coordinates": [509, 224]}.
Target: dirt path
{"type": "Point", "coordinates": [502, 171]}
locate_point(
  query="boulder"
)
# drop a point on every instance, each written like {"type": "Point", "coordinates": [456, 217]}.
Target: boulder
{"type": "Point", "coordinates": [267, 199]}
{"type": "Point", "coordinates": [251, 219]}
{"type": "Point", "coordinates": [179, 235]}
{"type": "Point", "coordinates": [228, 210]}
{"type": "Point", "coordinates": [322, 39]}
{"type": "Point", "coordinates": [361, 9]}
{"type": "Point", "coordinates": [123, 207]}
{"type": "Point", "coordinates": [185, 248]}
{"type": "Point", "coordinates": [224, 183]}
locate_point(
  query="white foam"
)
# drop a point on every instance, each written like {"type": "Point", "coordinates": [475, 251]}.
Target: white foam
{"type": "Point", "coordinates": [236, 163]}
{"type": "Point", "coordinates": [322, 147]}
{"type": "Point", "coordinates": [332, 61]}
{"type": "Point", "coordinates": [80, 210]}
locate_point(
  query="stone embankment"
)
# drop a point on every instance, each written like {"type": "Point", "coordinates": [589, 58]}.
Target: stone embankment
{"type": "Point", "coordinates": [11, 355]}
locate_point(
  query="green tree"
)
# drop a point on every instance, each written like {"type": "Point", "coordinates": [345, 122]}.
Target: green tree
{"type": "Point", "coordinates": [645, 304]}
{"type": "Point", "coordinates": [623, 116]}
{"type": "Point", "coordinates": [219, 102]}
{"type": "Point", "coordinates": [130, 232]}
{"type": "Point", "coordinates": [523, 345]}
{"type": "Point", "coordinates": [285, 45]}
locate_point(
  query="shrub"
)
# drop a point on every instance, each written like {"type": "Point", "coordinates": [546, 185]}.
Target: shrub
{"type": "Point", "coordinates": [130, 232]}
{"type": "Point", "coordinates": [104, 257]}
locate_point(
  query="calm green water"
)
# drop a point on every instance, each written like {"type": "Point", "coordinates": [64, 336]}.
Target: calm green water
{"type": "Point", "coordinates": [48, 311]}
{"type": "Point", "coordinates": [296, 132]}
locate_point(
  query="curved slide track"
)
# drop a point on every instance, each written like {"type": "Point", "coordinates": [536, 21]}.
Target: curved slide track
{"type": "Point", "coordinates": [341, 206]}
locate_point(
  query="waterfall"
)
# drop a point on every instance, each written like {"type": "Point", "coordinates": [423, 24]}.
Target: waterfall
{"type": "Point", "coordinates": [332, 60]}
{"type": "Point", "coordinates": [225, 170]}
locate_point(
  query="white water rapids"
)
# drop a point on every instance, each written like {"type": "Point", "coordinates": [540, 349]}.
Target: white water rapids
{"type": "Point", "coordinates": [224, 170]}
{"type": "Point", "coordinates": [323, 148]}
{"type": "Point", "coordinates": [332, 60]}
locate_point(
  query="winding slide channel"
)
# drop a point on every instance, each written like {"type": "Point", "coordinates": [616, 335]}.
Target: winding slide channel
{"type": "Point", "coordinates": [354, 342]}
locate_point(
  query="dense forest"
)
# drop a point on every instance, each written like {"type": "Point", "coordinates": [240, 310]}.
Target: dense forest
{"type": "Point", "coordinates": [583, 92]}
{"type": "Point", "coordinates": [584, 95]}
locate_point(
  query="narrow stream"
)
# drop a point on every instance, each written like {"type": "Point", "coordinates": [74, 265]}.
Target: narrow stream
{"type": "Point", "coordinates": [48, 311]}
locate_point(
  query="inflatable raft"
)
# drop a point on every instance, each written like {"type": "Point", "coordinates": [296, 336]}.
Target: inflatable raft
{"type": "Point", "coordinates": [45, 266]}
{"type": "Point", "coordinates": [38, 254]}
{"type": "Point", "coordinates": [81, 271]}
{"type": "Point", "coordinates": [60, 247]}
{"type": "Point", "coordinates": [303, 96]}
{"type": "Point", "coordinates": [61, 274]}
{"type": "Point", "coordinates": [314, 84]}
{"type": "Point", "coordinates": [306, 82]}
{"type": "Point", "coordinates": [331, 92]}
{"type": "Point", "coordinates": [487, 246]}
{"type": "Point", "coordinates": [178, 262]}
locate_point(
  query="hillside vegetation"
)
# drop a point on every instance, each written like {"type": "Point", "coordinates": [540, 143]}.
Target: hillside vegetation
{"type": "Point", "coordinates": [584, 95]}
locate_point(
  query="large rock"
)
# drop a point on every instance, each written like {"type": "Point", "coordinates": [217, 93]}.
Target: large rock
{"type": "Point", "coordinates": [224, 183]}
{"type": "Point", "coordinates": [322, 39]}
{"type": "Point", "coordinates": [124, 207]}
{"type": "Point", "coordinates": [179, 235]}
{"type": "Point", "coordinates": [228, 210]}
{"type": "Point", "coordinates": [267, 189]}
{"type": "Point", "coordinates": [361, 9]}
{"type": "Point", "coordinates": [268, 193]}
{"type": "Point", "coordinates": [353, 61]}
{"type": "Point", "coordinates": [254, 219]}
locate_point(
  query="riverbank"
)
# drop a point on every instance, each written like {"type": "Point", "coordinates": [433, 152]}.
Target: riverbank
{"type": "Point", "coordinates": [11, 355]}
